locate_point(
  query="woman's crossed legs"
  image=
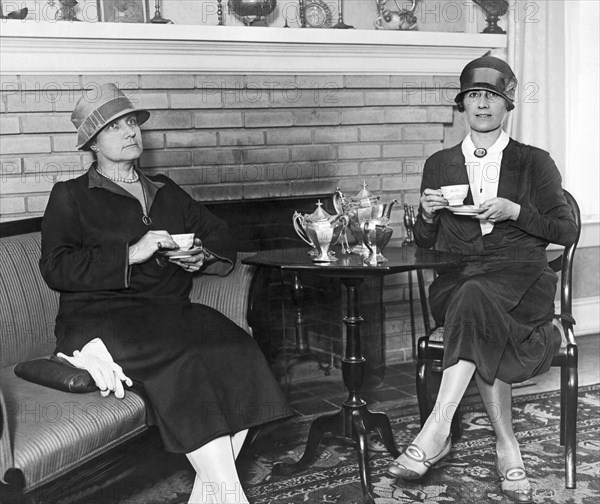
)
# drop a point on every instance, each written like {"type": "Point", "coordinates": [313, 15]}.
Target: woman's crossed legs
{"type": "Point", "coordinates": [433, 441]}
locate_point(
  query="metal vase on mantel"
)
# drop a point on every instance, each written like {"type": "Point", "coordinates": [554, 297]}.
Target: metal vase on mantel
{"type": "Point", "coordinates": [251, 11]}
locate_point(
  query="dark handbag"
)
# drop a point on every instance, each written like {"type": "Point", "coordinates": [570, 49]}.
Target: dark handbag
{"type": "Point", "coordinates": [56, 373]}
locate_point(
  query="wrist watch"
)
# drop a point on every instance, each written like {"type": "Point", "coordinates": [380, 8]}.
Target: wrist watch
{"type": "Point", "coordinates": [317, 14]}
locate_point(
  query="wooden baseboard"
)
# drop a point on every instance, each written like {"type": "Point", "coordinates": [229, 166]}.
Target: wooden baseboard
{"type": "Point", "coordinates": [585, 312]}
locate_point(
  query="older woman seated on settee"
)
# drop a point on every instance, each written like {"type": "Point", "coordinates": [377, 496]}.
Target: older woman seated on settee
{"type": "Point", "coordinates": [125, 314]}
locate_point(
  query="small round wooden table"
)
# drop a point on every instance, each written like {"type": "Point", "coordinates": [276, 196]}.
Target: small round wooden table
{"type": "Point", "coordinates": [353, 420]}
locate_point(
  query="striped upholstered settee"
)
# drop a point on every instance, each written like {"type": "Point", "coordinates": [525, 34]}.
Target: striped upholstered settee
{"type": "Point", "coordinates": [54, 444]}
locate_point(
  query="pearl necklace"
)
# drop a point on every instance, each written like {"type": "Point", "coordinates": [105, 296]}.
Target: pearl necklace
{"type": "Point", "coordinates": [135, 178]}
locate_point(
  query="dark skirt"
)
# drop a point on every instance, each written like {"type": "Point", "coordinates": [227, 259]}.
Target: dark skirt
{"type": "Point", "coordinates": [203, 376]}
{"type": "Point", "coordinates": [499, 316]}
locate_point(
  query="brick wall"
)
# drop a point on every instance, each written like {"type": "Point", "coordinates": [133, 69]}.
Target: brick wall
{"type": "Point", "coordinates": [232, 137]}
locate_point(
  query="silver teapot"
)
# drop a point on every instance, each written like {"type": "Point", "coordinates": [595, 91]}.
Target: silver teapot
{"type": "Point", "coordinates": [364, 205]}
{"type": "Point", "coordinates": [376, 234]}
{"type": "Point", "coordinates": [362, 200]}
{"type": "Point", "coordinates": [321, 231]}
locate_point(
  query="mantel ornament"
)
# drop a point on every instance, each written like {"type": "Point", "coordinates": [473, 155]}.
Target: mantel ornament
{"type": "Point", "coordinates": [315, 14]}
{"type": "Point", "coordinates": [401, 19]}
{"type": "Point", "coordinates": [66, 12]}
{"type": "Point", "coordinates": [158, 19]}
{"type": "Point", "coordinates": [340, 25]}
{"type": "Point", "coordinates": [251, 11]}
{"type": "Point", "coordinates": [15, 14]}
{"type": "Point", "coordinates": [493, 9]}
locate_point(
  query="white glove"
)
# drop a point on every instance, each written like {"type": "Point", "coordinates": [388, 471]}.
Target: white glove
{"type": "Point", "coordinates": [95, 358]}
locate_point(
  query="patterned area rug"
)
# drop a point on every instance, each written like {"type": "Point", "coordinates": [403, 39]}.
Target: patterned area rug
{"type": "Point", "coordinates": [466, 476]}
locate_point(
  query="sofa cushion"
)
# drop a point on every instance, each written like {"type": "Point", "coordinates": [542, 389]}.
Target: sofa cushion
{"type": "Point", "coordinates": [56, 373]}
{"type": "Point", "coordinates": [51, 432]}
{"type": "Point", "coordinates": [27, 306]}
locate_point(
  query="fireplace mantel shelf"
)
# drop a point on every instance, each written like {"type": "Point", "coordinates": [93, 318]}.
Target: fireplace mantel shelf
{"type": "Point", "coordinates": [76, 48]}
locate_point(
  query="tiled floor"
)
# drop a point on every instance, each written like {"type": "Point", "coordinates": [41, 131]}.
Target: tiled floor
{"type": "Point", "coordinates": [326, 393]}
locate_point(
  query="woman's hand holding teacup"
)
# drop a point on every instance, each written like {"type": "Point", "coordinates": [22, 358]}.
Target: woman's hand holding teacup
{"type": "Point", "coordinates": [498, 210]}
{"type": "Point", "coordinates": [432, 200]}
{"type": "Point", "coordinates": [149, 243]}
{"type": "Point", "coordinates": [194, 262]}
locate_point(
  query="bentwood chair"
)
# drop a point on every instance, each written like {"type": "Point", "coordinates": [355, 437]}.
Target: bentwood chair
{"type": "Point", "coordinates": [430, 355]}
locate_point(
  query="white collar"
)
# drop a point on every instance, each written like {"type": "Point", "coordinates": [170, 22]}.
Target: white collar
{"type": "Point", "coordinates": [468, 147]}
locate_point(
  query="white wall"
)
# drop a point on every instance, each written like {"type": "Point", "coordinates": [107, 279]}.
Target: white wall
{"type": "Point", "coordinates": [582, 83]}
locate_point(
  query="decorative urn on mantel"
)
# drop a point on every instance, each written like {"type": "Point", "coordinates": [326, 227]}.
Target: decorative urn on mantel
{"type": "Point", "coordinates": [66, 12]}
{"type": "Point", "coordinates": [389, 19]}
{"type": "Point", "coordinates": [251, 11]}
{"type": "Point", "coordinates": [493, 9]}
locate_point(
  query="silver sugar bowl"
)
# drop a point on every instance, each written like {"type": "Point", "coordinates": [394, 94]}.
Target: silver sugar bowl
{"type": "Point", "coordinates": [321, 231]}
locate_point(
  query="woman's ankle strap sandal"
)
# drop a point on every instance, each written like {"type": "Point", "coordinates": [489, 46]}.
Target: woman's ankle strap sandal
{"type": "Point", "coordinates": [416, 454]}
{"type": "Point", "coordinates": [509, 484]}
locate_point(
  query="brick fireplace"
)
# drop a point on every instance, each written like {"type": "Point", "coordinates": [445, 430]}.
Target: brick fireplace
{"type": "Point", "coordinates": [226, 129]}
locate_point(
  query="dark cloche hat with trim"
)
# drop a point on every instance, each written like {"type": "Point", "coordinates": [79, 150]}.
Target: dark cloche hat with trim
{"type": "Point", "coordinates": [91, 115]}
{"type": "Point", "coordinates": [489, 73]}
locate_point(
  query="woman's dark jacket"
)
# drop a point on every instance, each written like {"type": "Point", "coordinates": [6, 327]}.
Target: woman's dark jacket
{"type": "Point", "coordinates": [89, 226]}
{"type": "Point", "coordinates": [497, 307]}
{"type": "Point", "coordinates": [529, 177]}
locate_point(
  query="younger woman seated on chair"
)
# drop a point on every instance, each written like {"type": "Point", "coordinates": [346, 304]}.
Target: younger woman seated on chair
{"type": "Point", "coordinates": [497, 308]}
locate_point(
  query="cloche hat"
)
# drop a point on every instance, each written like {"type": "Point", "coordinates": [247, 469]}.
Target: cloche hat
{"type": "Point", "coordinates": [91, 115]}
{"type": "Point", "coordinates": [492, 74]}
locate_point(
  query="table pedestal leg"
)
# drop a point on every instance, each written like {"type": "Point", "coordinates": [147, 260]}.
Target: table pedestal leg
{"type": "Point", "coordinates": [302, 349]}
{"type": "Point", "coordinates": [353, 420]}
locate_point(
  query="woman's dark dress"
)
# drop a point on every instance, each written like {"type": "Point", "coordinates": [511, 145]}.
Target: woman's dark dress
{"type": "Point", "coordinates": [497, 308]}
{"type": "Point", "coordinates": [203, 375]}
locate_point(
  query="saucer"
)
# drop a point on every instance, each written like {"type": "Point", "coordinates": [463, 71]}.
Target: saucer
{"type": "Point", "coordinates": [465, 209]}
{"type": "Point", "coordinates": [178, 254]}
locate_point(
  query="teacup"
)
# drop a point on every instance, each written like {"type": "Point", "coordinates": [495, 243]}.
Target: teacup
{"type": "Point", "coordinates": [185, 241]}
{"type": "Point", "coordinates": [455, 194]}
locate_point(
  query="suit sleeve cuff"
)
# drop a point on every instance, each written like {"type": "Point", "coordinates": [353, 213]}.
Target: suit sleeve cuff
{"type": "Point", "coordinates": [217, 265]}
{"type": "Point", "coordinates": [524, 218]}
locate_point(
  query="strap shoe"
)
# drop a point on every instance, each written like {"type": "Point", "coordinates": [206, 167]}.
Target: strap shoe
{"type": "Point", "coordinates": [415, 454]}
{"type": "Point", "coordinates": [514, 484]}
